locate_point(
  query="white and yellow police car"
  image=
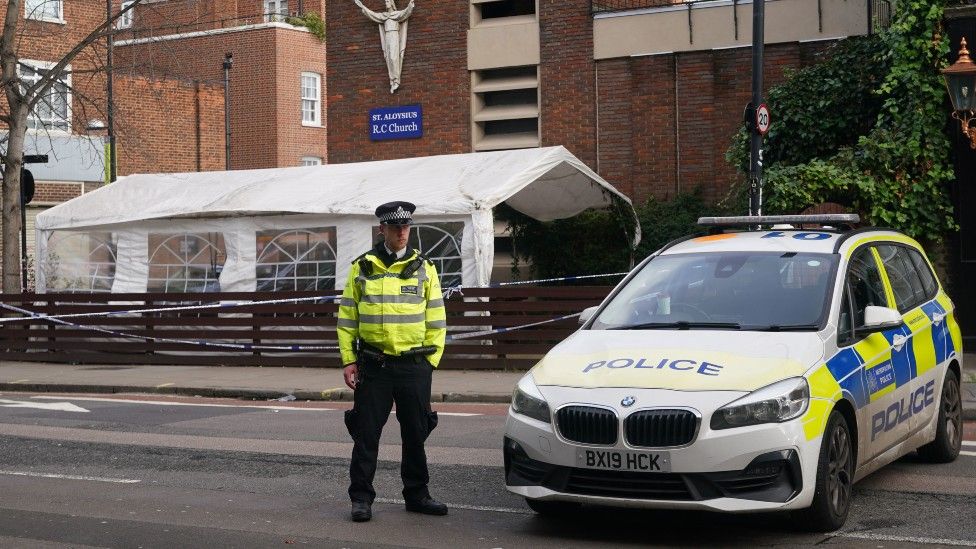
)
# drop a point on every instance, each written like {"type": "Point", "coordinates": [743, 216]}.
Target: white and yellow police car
{"type": "Point", "coordinates": [743, 371]}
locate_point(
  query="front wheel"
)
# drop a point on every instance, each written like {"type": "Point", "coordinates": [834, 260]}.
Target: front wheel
{"type": "Point", "coordinates": [835, 479]}
{"type": "Point", "coordinates": [948, 434]}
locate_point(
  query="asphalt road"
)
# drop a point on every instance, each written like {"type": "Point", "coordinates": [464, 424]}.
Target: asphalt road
{"type": "Point", "coordinates": [209, 473]}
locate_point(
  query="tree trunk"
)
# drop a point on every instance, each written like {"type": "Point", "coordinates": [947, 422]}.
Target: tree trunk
{"type": "Point", "coordinates": [11, 199]}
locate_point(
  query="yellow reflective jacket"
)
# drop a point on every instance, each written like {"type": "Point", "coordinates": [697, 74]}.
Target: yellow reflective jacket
{"type": "Point", "coordinates": [390, 309]}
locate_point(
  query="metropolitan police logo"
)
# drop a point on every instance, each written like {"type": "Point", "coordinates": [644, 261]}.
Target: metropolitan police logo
{"type": "Point", "coordinates": [628, 401]}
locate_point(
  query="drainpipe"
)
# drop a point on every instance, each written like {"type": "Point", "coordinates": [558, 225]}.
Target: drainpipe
{"type": "Point", "coordinates": [228, 63]}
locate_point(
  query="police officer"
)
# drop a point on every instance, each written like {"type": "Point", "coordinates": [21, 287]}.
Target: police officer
{"type": "Point", "coordinates": [391, 331]}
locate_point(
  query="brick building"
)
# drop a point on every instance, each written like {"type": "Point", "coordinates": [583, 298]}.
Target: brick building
{"type": "Point", "coordinates": [161, 124]}
{"type": "Point", "coordinates": [277, 80]}
{"type": "Point", "coordinates": [647, 94]}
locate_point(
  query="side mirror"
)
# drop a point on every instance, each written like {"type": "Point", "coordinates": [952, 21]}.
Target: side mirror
{"type": "Point", "coordinates": [879, 319]}
{"type": "Point", "coordinates": [587, 314]}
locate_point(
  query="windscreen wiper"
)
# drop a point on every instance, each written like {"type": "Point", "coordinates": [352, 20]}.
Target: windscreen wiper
{"type": "Point", "coordinates": [789, 328]}
{"type": "Point", "coordinates": [680, 325]}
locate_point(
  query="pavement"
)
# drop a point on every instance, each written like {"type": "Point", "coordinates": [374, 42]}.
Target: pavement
{"type": "Point", "coordinates": [266, 383]}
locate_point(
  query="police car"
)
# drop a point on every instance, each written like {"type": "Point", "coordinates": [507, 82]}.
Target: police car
{"type": "Point", "coordinates": [742, 371]}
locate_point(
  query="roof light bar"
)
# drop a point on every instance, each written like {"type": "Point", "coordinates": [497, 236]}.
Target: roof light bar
{"type": "Point", "coordinates": [747, 220]}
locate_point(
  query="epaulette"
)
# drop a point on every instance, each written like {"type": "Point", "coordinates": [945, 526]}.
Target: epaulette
{"type": "Point", "coordinates": [365, 265]}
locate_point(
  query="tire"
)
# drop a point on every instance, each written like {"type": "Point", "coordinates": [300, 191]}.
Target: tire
{"type": "Point", "coordinates": [835, 480]}
{"type": "Point", "coordinates": [552, 508]}
{"type": "Point", "coordinates": [948, 434]}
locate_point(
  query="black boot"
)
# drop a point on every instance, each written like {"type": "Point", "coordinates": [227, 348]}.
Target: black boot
{"type": "Point", "coordinates": [427, 506]}
{"type": "Point", "coordinates": [361, 511]}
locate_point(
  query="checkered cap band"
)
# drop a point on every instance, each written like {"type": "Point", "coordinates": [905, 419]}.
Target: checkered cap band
{"type": "Point", "coordinates": [398, 214]}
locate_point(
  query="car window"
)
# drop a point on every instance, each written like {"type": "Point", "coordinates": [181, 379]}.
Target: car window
{"type": "Point", "coordinates": [845, 328]}
{"type": "Point", "coordinates": [929, 283]}
{"type": "Point", "coordinates": [753, 290]}
{"type": "Point", "coordinates": [904, 278]}
{"type": "Point", "coordinates": [864, 281]}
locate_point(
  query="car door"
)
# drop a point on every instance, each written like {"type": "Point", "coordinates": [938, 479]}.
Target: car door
{"type": "Point", "coordinates": [915, 290]}
{"type": "Point", "coordinates": [873, 384]}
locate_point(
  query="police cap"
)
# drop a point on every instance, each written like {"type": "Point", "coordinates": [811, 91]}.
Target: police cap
{"type": "Point", "coordinates": [396, 213]}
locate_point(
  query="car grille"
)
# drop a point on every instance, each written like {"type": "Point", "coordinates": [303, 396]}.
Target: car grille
{"type": "Point", "coordinates": [618, 484]}
{"type": "Point", "coordinates": [660, 428]}
{"type": "Point", "coordinates": [587, 424]}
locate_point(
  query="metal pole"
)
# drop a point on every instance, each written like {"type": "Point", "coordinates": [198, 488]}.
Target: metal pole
{"type": "Point", "coordinates": [228, 63]}
{"type": "Point", "coordinates": [23, 239]}
{"type": "Point", "coordinates": [113, 166]}
{"type": "Point", "coordinates": [755, 138]}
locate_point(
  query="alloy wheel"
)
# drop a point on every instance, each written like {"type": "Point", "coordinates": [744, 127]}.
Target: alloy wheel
{"type": "Point", "coordinates": [839, 470]}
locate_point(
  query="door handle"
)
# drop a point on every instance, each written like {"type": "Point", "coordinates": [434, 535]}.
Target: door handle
{"type": "Point", "coordinates": [898, 341]}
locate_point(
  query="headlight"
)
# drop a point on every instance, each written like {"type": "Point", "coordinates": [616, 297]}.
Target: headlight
{"type": "Point", "coordinates": [781, 401]}
{"type": "Point", "coordinates": [529, 402]}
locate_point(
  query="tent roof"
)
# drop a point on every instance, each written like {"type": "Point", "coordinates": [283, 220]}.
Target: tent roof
{"type": "Point", "coordinates": [544, 183]}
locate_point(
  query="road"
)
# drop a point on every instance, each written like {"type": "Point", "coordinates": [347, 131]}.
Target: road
{"type": "Point", "coordinates": [190, 472]}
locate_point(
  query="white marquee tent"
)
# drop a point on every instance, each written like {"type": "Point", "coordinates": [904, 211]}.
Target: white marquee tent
{"type": "Point", "coordinates": [299, 228]}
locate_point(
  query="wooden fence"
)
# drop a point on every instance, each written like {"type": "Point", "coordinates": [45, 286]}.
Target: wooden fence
{"type": "Point", "coordinates": [298, 323]}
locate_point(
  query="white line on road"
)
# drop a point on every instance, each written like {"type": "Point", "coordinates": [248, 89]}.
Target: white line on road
{"type": "Point", "coordinates": [268, 406]}
{"type": "Point", "coordinates": [56, 406]}
{"type": "Point", "coordinates": [70, 477]}
{"type": "Point", "coordinates": [969, 443]}
{"type": "Point", "coordinates": [971, 454]}
{"type": "Point", "coordinates": [906, 539]}
{"type": "Point", "coordinates": [463, 506]}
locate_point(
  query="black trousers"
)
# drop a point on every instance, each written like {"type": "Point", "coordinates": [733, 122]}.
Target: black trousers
{"type": "Point", "coordinates": [407, 383]}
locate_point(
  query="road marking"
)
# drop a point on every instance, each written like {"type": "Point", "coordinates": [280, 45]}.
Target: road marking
{"type": "Point", "coordinates": [70, 477]}
{"type": "Point", "coordinates": [20, 381]}
{"type": "Point", "coordinates": [202, 404]}
{"type": "Point", "coordinates": [161, 385]}
{"type": "Point", "coordinates": [56, 406]}
{"type": "Point", "coordinates": [969, 443]}
{"type": "Point", "coordinates": [971, 454]}
{"type": "Point", "coordinates": [463, 506]}
{"type": "Point", "coordinates": [907, 539]}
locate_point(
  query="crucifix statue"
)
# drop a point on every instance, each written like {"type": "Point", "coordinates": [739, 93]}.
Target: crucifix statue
{"type": "Point", "coordinates": [393, 36]}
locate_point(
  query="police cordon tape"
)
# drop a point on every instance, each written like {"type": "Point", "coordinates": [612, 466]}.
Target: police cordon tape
{"type": "Point", "coordinates": [446, 293]}
{"type": "Point", "coordinates": [253, 347]}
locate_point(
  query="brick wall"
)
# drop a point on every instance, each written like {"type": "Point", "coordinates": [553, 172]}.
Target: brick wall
{"type": "Point", "coordinates": [651, 145]}
{"type": "Point", "coordinates": [434, 75]}
{"type": "Point", "coordinates": [195, 15]}
{"type": "Point", "coordinates": [265, 105]}
{"type": "Point", "coordinates": [169, 126]}
{"type": "Point", "coordinates": [567, 79]}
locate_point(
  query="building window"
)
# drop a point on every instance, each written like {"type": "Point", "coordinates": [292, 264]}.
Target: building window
{"type": "Point", "coordinates": [53, 109]}
{"type": "Point", "coordinates": [275, 10]}
{"type": "Point", "coordinates": [44, 10]}
{"type": "Point", "coordinates": [311, 161]}
{"type": "Point", "coordinates": [311, 99]}
{"type": "Point", "coordinates": [125, 20]}
{"type": "Point", "coordinates": [505, 108]}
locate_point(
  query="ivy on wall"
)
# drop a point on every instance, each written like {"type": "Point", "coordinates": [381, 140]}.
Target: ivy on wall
{"type": "Point", "coordinates": [866, 129]}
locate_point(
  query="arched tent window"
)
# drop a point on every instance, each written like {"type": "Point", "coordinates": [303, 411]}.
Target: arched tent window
{"type": "Point", "coordinates": [441, 243]}
{"type": "Point", "coordinates": [79, 262]}
{"type": "Point", "coordinates": [186, 262]}
{"type": "Point", "coordinates": [296, 259]}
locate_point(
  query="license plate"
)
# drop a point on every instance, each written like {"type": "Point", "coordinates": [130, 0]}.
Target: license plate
{"type": "Point", "coordinates": [624, 460]}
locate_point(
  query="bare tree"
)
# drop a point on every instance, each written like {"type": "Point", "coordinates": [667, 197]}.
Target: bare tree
{"type": "Point", "coordinates": [22, 98]}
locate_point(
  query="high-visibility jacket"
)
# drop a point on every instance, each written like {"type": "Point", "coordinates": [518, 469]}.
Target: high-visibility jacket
{"type": "Point", "coordinates": [391, 309]}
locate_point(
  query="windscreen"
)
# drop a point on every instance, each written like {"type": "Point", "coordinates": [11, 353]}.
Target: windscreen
{"type": "Point", "coordinates": [733, 290]}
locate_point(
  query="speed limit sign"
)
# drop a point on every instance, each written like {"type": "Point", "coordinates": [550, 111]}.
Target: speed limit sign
{"type": "Point", "coordinates": [762, 119]}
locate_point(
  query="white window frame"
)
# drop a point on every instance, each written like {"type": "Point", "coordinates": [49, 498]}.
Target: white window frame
{"type": "Point", "coordinates": [316, 101]}
{"type": "Point", "coordinates": [275, 11]}
{"type": "Point", "coordinates": [311, 161]}
{"type": "Point", "coordinates": [126, 19]}
{"type": "Point", "coordinates": [33, 10]}
{"type": "Point", "coordinates": [65, 80]}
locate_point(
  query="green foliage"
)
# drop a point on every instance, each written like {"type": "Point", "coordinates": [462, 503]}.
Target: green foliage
{"type": "Point", "coordinates": [311, 21]}
{"type": "Point", "coordinates": [598, 241]}
{"type": "Point", "coordinates": [893, 171]}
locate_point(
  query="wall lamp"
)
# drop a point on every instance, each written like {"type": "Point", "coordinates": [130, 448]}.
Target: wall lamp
{"type": "Point", "coordinates": [960, 79]}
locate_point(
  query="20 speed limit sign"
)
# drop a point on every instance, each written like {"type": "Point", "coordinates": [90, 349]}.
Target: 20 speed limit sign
{"type": "Point", "coordinates": [762, 119]}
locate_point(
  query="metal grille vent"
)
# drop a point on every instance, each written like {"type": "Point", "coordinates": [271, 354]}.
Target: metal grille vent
{"type": "Point", "coordinates": [587, 424]}
{"type": "Point", "coordinates": [660, 428]}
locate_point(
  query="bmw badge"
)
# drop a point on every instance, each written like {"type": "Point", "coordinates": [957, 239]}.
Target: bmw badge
{"type": "Point", "coordinates": [628, 401]}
